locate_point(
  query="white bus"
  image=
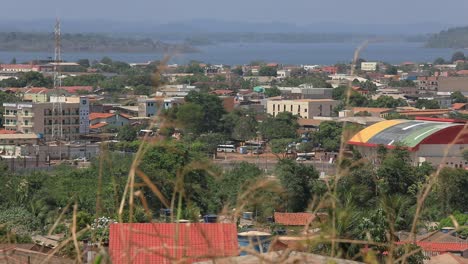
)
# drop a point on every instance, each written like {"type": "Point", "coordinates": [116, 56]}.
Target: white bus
{"type": "Point", "coordinates": [226, 148]}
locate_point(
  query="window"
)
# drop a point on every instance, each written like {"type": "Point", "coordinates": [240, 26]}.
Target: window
{"type": "Point", "coordinates": [298, 108]}
{"type": "Point", "coordinates": [26, 122]}
{"type": "Point", "coordinates": [284, 108]}
{"type": "Point", "coordinates": [291, 108]}
{"type": "Point", "coordinates": [26, 113]}
{"type": "Point", "coordinates": [274, 106]}
{"type": "Point", "coordinates": [305, 110]}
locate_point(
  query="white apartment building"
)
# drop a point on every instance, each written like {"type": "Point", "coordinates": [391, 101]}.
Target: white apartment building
{"type": "Point", "coordinates": [48, 122]}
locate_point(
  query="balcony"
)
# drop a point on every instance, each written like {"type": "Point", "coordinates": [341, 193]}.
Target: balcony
{"type": "Point", "coordinates": [28, 125]}
{"type": "Point", "coordinates": [9, 115]}
{"type": "Point", "coordinates": [9, 124]}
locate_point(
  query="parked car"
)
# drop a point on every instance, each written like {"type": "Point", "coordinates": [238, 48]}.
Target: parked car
{"type": "Point", "coordinates": [301, 159]}
{"type": "Point", "coordinates": [257, 151]}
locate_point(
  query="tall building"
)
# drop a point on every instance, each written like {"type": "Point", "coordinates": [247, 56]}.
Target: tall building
{"type": "Point", "coordinates": [39, 118]}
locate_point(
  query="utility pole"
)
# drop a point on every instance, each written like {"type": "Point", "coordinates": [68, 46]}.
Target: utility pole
{"type": "Point", "coordinates": [57, 115]}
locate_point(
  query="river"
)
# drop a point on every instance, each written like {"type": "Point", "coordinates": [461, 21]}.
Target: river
{"type": "Point", "coordinates": [286, 53]}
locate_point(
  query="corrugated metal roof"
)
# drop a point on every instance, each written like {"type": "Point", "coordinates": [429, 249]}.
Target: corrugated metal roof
{"type": "Point", "coordinates": [408, 133]}
{"type": "Point", "coordinates": [294, 219]}
{"type": "Point", "coordinates": [168, 243]}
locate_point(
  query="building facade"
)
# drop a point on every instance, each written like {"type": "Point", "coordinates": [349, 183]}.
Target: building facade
{"type": "Point", "coordinates": [305, 108]}
{"type": "Point", "coordinates": [147, 107]}
{"type": "Point", "coordinates": [368, 66]}
{"type": "Point", "coordinates": [49, 123]}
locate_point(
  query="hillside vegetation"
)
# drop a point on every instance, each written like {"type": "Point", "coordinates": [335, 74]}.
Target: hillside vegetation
{"type": "Point", "coordinates": [451, 38]}
{"type": "Point", "coordinates": [18, 41]}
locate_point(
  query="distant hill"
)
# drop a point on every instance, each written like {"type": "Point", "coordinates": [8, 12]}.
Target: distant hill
{"type": "Point", "coordinates": [456, 38]}
{"type": "Point", "coordinates": [21, 41]}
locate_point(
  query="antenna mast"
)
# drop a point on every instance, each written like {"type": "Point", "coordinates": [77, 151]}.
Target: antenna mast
{"type": "Point", "coordinates": [57, 128]}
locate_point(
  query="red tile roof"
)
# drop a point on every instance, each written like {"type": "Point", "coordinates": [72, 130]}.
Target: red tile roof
{"type": "Point", "coordinates": [294, 219]}
{"type": "Point", "coordinates": [169, 243]}
{"type": "Point", "coordinates": [16, 66]}
{"type": "Point", "coordinates": [36, 90]}
{"type": "Point", "coordinates": [222, 92]}
{"type": "Point", "coordinates": [458, 106]}
{"type": "Point", "coordinates": [462, 72]}
{"type": "Point", "coordinates": [98, 125]}
{"type": "Point", "coordinates": [74, 89]}
{"type": "Point", "coordinates": [125, 116]}
{"type": "Point", "coordinates": [4, 131]}
{"type": "Point", "coordinates": [94, 116]}
{"type": "Point", "coordinates": [441, 247]}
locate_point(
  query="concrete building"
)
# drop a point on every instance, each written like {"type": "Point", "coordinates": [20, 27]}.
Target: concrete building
{"type": "Point", "coordinates": [368, 66]}
{"type": "Point", "coordinates": [448, 85]}
{"type": "Point", "coordinates": [281, 74]}
{"type": "Point", "coordinates": [40, 118]}
{"type": "Point", "coordinates": [18, 67]}
{"type": "Point", "coordinates": [440, 142]}
{"type": "Point", "coordinates": [428, 84]}
{"type": "Point", "coordinates": [147, 107]}
{"type": "Point", "coordinates": [305, 108]}
{"type": "Point", "coordinates": [171, 102]}
{"type": "Point", "coordinates": [176, 90]}
{"type": "Point", "coordinates": [19, 139]}
{"type": "Point", "coordinates": [305, 92]}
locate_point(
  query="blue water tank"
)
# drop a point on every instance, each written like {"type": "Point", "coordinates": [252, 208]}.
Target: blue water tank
{"type": "Point", "coordinates": [211, 218]}
{"type": "Point", "coordinates": [247, 215]}
{"type": "Point", "coordinates": [165, 212]}
{"type": "Point", "coordinates": [259, 241]}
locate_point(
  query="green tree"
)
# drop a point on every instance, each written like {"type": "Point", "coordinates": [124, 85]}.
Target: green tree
{"type": "Point", "coordinates": [284, 125]}
{"type": "Point", "coordinates": [368, 86]}
{"type": "Point", "coordinates": [143, 90]}
{"type": "Point", "coordinates": [300, 183]}
{"type": "Point", "coordinates": [459, 55]}
{"type": "Point", "coordinates": [267, 71]}
{"type": "Point", "coordinates": [427, 104]}
{"type": "Point", "coordinates": [190, 116]}
{"type": "Point", "coordinates": [272, 92]}
{"type": "Point", "coordinates": [84, 63]}
{"type": "Point", "coordinates": [458, 97]}
{"type": "Point", "coordinates": [212, 110]}
{"type": "Point", "coordinates": [238, 71]}
{"type": "Point", "coordinates": [439, 61]}
{"type": "Point", "coordinates": [280, 146]}
{"type": "Point", "coordinates": [391, 70]}
{"type": "Point", "coordinates": [329, 135]}
{"type": "Point", "coordinates": [451, 186]}
{"type": "Point", "coordinates": [127, 133]}
{"type": "Point", "coordinates": [396, 173]}
{"type": "Point", "coordinates": [235, 182]}
{"type": "Point", "coordinates": [386, 101]}
{"type": "Point", "coordinates": [245, 128]}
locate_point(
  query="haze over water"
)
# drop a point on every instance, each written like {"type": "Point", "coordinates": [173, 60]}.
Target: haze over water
{"type": "Point", "coordinates": [243, 53]}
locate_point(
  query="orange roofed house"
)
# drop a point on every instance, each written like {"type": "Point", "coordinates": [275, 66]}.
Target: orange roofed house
{"type": "Point", "coordinates": [171, 242]}
{"type": "Point", "coordinates": [100, 120]}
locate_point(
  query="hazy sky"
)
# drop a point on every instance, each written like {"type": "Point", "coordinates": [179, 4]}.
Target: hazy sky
{"type": "Point", "coordinates": [292, 11]}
